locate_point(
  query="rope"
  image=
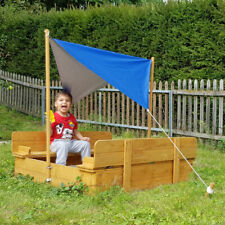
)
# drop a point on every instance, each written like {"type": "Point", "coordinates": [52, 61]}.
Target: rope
{"type": "Point", "coordinates": [178, 149]}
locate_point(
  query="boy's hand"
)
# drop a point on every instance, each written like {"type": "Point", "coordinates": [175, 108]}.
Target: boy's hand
{"type": "Point", "coordinates": [86, 139]}
{"type": "Point", "coordinates": [78, 136]}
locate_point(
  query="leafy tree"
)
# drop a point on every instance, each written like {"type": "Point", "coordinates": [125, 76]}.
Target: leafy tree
{"type": "Point", "coordinates": [30, 5]}
{"type": "Point", "coordinates": [35, 5]}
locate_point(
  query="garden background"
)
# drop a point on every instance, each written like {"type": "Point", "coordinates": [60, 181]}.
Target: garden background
{"type": "Point", "coordinates": [187, 40]}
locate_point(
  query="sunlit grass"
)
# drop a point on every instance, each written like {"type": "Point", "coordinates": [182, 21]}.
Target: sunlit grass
{"type": "Point", "coordinates": [24, 202]}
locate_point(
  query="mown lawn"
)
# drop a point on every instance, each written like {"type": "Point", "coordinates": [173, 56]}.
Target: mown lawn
{"type": "Point", "coordinates": [24, 202]}
{"type": "Point", "coordinates": [10, 121]}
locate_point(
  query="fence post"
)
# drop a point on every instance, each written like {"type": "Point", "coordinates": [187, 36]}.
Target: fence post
{"type": "Point", "coordinates": [221, 110]}
{"type": "Point", "coordinates": [100, 106]}
{"type": "Point", "coordinates": [171, 113]}
{"type": "Point", "coordinates": [214, 115]}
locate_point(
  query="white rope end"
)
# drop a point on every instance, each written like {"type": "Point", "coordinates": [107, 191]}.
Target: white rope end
{"type": "Point", "coordinates": [48, 180]}
{"type": "Point", "coordinates": [209, 190]}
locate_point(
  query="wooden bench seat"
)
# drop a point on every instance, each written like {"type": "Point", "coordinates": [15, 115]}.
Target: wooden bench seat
{"type": "Point", "coordinates": [32, 144]}
{"type": "Point", "coordinates": [38, 154]}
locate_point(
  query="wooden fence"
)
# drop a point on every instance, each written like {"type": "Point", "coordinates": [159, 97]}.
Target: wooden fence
{"type": "Point", "coordinates": [188, 108]}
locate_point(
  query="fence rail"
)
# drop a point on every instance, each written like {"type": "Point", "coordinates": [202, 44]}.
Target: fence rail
{"type": "Point", "coordinates": [189, 108]}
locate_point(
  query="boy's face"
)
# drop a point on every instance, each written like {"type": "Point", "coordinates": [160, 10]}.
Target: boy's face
{"type": "Point", "coordinates": [63, 104]}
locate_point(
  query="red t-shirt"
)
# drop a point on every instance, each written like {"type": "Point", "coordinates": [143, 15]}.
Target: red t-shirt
{"type": "Point", "coordinates": [63, 127]}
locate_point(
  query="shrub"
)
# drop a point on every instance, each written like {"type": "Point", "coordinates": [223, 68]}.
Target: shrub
{"type": "Point", "coordinates": [187, 39]}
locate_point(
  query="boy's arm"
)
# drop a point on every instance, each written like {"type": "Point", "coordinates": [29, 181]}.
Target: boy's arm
{"type": "Point", "coordinates": [78, 136]}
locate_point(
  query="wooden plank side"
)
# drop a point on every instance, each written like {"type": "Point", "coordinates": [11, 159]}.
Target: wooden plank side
{"type": "Point", "coordinates": [151, 150]}
{"type": "Point", "coordinates": [188, 146]}
{"type": "Point", "coordinates": [29, 135]}
{"type": "Point", "coordinates": [63, 174]}
{"type": "Point", "coordinates": [127, 165]}
{"type": "Point", "coordinates": [109, 177]}
{"type": "Point", "coordinates": [151, 175]}
{"type": "Point", "coordinates": [36, 146]}
{"type": "Point", "coordinates": [108, 159]}
{"type": "Point", "coordinates": [176, 161]}
{"type": "Point", "coordinates": [88, 178]}
{"type": "Point", "coordinates": [185, 169]}
{"type": "Point", "coordinates": [34, 139]}
{"type": "Point", "coordinates": [37, 169]}
{"type": "Point", "coordinates": [161, 149]}
{"type": "Point", "coordinates": [32, 167]}
{"type": "Point", "coordinates": [108, 146]}
{"type": "Point", "coordinates": [152, 156]}
{"type": "Point", "coordinates": [110, 153]}
{"type": "Point", "coordinates": [150, 143]}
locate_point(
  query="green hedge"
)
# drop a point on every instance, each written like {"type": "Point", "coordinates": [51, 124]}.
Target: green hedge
{"type": "Point", "coordinates": [186, 39]}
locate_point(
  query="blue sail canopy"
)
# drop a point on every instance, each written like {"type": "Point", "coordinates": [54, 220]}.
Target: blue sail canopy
{"type": "Point", "coordinates": [84, 69]}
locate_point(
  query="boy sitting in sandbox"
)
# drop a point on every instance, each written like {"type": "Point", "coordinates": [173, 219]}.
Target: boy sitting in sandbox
{"type": "Point", "coordinates": [65, 137]}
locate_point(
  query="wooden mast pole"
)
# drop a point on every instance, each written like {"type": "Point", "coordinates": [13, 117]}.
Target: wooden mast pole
{"type": "Point", "coordinates": [47, 85]}
{"type": "Point", "coordinates": [150, 97]}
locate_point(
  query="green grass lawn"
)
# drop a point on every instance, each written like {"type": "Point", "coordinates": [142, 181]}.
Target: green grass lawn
{"type": "Point", "coordinates": [10, 121]}
{"type": "Point", "coordinates": [24, 202]}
